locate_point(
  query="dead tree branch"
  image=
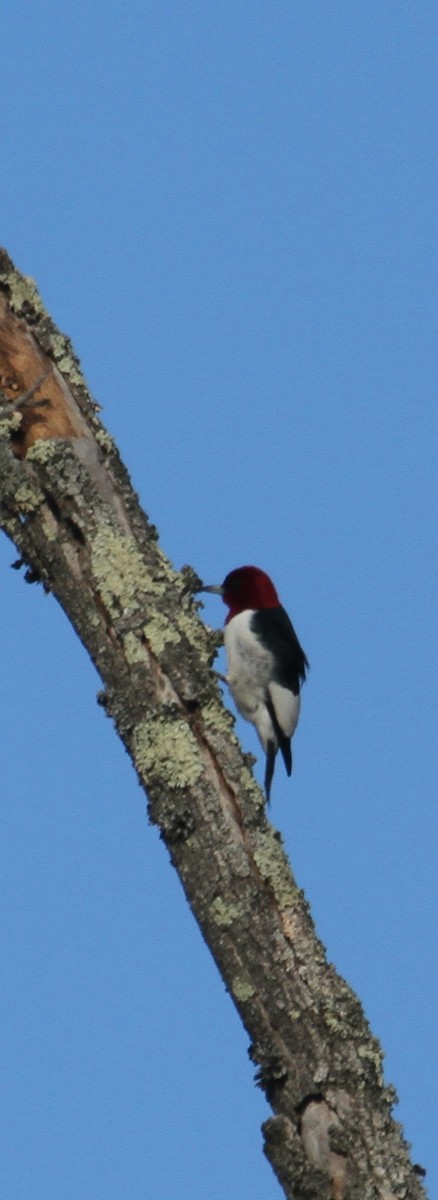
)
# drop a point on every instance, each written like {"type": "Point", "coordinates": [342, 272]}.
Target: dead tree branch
{"type": "Point", "coordinates": [67, 503]}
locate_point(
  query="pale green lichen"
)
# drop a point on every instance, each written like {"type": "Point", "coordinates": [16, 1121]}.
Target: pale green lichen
{"type": "Point", "coordinates": [274, 869]}
{"type": "Point", "coordinates": [224, 914]}
{"type": "Point", "coordinates": [120, 571]}
{"type": "Point", "coordinates": [134, 650]}
{"type": "Point", "coordinates": [50, 526]}
{"type": "Point", "coordinates": [28, 497]}
{"type": "Point", "coordinates": [219, 723]}
{"type": "Point", "coordinates": [23, 290]}
{"type": "Point", "coordinates": [242, 989]}
{"type": "Point", "coordinates": [104, 439]}
{"type": "Point", "coordinates": [94, 619]}
{"type": "Point", "coordinates": [252, 789]}
{"type": "Point", "coordinates": [335, 1023]}
{"type": "Point", "coordinates": [8, 424]}
{"type": "Point", "coordinates": [219, 719]}
{"type": "Point", "coordinates": [65, 360]}
{"type": "Point", "coordinates": [371, 1052]}
{"type": "Point", "coordinates": [159, 633]}
{"type": "Point", "coordinates": [168, 748]}
{"type": "Point", "coordinates": [215, 716]}
{"type": "Point", "coordinates": [190, 626]}
{"type": "Point", "coordinates": [11, 526]}
{"type": "Point", "coordinates": [164, 571]}
{"type": "Point", "coordinates": [42, 450]}
{"type": "Point", "coordinates": [124, 579]}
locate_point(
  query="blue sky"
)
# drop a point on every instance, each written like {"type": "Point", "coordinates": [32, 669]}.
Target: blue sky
{"type": "Point", "coordinates": [231, 209]}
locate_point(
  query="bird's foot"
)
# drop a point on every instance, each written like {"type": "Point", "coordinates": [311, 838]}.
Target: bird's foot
{"type": "Point", "coordinates": [221, 678]}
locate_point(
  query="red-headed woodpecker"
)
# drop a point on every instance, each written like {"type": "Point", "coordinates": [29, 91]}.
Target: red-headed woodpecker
{"type": "Point", "coordinates": [266, 664]}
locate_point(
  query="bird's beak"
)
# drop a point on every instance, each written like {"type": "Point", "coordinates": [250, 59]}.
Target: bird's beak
{"type": "Point", "coordinates": [213, 587]}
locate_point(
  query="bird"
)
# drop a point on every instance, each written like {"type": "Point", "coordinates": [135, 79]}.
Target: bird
{"type": "Point", "coordinates": [265, 662]}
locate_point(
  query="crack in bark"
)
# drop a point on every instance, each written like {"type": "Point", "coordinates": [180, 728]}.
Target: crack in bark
{"type": "Point", "coordinates": [67, 503]}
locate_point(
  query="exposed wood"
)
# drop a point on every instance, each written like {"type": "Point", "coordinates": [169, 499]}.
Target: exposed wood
{"type": "Point", "coordinates": [67, 503]}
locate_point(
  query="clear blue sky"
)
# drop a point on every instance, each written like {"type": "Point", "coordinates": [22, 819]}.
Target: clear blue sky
{"type": "Point", "coordinates": [232, 210]}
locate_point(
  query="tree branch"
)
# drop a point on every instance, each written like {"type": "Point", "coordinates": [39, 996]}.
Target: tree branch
{"type": "Point", "coordinates": [67, 503]}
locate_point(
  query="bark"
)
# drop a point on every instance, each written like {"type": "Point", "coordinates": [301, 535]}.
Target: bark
{"type": "Point", "coordinates": [67, 503]}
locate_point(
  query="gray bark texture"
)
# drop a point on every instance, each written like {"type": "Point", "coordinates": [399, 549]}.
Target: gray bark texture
{"type": "Point", "coordinates": [67, 503]}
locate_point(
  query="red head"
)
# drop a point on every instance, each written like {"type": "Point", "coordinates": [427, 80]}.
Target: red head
{"type": "Point", "coordinates": [246, 587]}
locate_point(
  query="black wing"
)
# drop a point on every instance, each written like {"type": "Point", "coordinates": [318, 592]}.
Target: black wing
{"type": "Point", "coordinates": [274, 628]}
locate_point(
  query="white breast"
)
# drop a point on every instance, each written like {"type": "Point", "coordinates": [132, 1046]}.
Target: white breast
{"type": "Point", "coordinates": [249, 663]}
{"type": "Point", "coordinates": [250, 678]}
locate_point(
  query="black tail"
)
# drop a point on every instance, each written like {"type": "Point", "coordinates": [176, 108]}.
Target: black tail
{"type": "Point", "coordinates": [283, 741]}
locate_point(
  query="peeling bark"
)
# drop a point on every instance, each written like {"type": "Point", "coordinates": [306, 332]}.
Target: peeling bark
{"type": "Point", "coordinates": [67, 503]}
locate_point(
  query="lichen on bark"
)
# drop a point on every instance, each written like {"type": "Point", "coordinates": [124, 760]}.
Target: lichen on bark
{"type": "Point", "coordinates": [67, 503]}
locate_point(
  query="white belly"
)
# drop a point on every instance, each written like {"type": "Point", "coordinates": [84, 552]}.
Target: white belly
{"type": "Point", "coordinates": [250, 681]}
